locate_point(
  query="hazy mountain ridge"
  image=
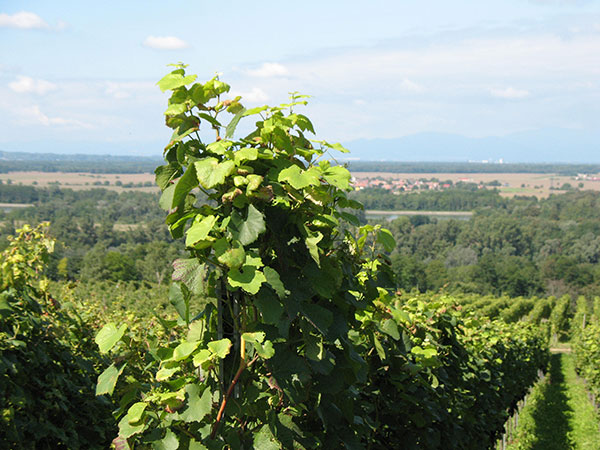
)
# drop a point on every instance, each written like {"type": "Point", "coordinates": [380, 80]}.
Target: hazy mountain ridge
{"type": "Point", "coordinates": [537, 146]}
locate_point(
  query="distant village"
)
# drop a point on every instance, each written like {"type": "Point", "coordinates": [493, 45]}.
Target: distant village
{"type": "Point", "coordinates": [408, 184]}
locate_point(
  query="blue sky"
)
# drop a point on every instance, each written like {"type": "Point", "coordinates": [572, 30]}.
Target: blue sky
{"type": "Point", "coordinates": [80, 76]}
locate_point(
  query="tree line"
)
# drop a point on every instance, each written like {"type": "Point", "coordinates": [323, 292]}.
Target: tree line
{"type": "Point", "coordinates": [529, 247]}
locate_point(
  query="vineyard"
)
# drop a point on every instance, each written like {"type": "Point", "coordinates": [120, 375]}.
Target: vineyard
{"type": "Point", "coordinates": [283, 326]}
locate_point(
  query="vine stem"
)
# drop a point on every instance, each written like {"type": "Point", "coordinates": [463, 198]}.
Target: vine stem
{"type": "Point", "coordinates": [241, 368]}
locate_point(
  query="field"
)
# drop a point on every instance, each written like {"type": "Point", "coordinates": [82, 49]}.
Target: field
{"type": "Point", "coordinates": [84, 180]}
{"type": "Point", "coordinates": [511, 184]}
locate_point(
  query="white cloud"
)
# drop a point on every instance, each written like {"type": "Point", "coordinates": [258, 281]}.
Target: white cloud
{"type": "Point", "coordinates": [165, 42]}
{"type": "Point", "coordinates": [24, 20]}
{"type": "Point", "coordinates": [410, 86]}
{"type": "Point", "coordinates": [509, 93]}
{"type": "Point", "coordinates": [125, 89]}
{"type": "Point", "coordinates": [254, 95]}
{"type": "Point", "coordinates": [268, 70]}
{"type": "Point", "coordinates": [33, 114]}
{"type": "Point", "coordinates": [26, 85]}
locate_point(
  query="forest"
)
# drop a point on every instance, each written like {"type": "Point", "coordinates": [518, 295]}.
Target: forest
{"type": "Point", "coordinates": [518, 246]}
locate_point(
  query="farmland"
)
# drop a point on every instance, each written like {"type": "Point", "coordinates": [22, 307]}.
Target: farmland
{"type": "Point", "coordinates": [540, 185]}
{"type": "Point", "coordinates": [83, 180]}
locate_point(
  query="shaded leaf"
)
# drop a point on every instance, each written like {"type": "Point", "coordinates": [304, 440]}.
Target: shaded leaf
{"type": "Point", "coordinates": [274, 281]}
{"type": "Point", "coordinates": [190, 272]}
{"type": "Point", "coordinates": [198, 405]}
{"type": "Point", "coordinates": [107, 380]}
{"type": "Point", "coordinates": [169, 442]}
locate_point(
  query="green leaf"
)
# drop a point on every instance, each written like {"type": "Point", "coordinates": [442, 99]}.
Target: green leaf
{"type": "Point", "coordinates": [191, 273]}
{"type": "Point", "coordinates": [199, 230]}
{"type": "Point", "coordinates": [107, 380]}
{"type": "Point", "coordinates": [338, 176]}
{"type": "Point", "coordinates": [184, 126]}
{"type": "Point", "coordinates": [245, 154]}
{"type": "Point", "coordinates": [313, 248]}
{"type": "Point", "coordinates": [169, 442]}
{"type": "Point", "coordinates": [270, 308]}
{"type": "Point", "coordinates": [135, 412]}
{"type": "Point", "coordinates": [256, 336]}
{"type": "Point", "coordinates": [166, 199]}
{"type": "Point", "coordinates": [265, 350]}
{"type": "Point", "coordinates": [247, 231]}
{"type": "Point", "coordinates": [167, 372]}
{"type": "Point", "coordinates": [202, 356]}
{"type": "Point", "coordinates": [126, 430]}
{"type": "Point", "coordinates": [255, 340]}
{"type": "Point", "coordinates": [379, 348]}
{"type": "Point", "coordinates": [185, 349]}
{"type": "Point", "coordinates": [195, 445]}
{"type": "Point", "coordinates": [233, 257]}
{"type": "Point", "coordinates": [219, 147]}
{"type": "Point", "coordinates": [220, 347]}
{"type": "Point", "coordinates": [390, 328]}
{"type": "Point", "coordinates": [211, 172]}
{"type": "Point", "coordinates": [314, 348]}
{"type": "Point", "coordinates": [164, 175]}
{"type": "Point", "coordinates": [274, 281]}
{"type": "Point", "coordinates": [256, 110]}
{"type": "Point", "coordinates": [230, 130]}
{"type": "Point", "coordinates": [180, 300]}
{"type": "Point", "coordinates": [320, 317]}
{"type": "Point", "coordinates": [248, 277]}
{"type": "Point", "coordinates": [254, 182]}
{"type": "Point", "coordinates": [298, 178]}
{"type": "Point", "coordinates": [183, 186]}
{"type": "Point", "coordinates": [385, 238]}
{"type": "Point", "coordinates": [198, 405]}
{"type": "Point", "coordinates": [108, 336]}
{"type": "Point", "coordinates": [174, 80]}
{"type": "Point", "coordinates": [175, 109]}
{"type": "Point", "coordinates": [264, 439]}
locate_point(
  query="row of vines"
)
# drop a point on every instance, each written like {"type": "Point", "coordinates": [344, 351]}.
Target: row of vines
{"type": "Point", "coordinates": [586, 344]}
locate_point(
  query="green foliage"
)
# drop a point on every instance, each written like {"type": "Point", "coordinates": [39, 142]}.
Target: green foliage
{"type": "Point", "coordinates": [47, 358]}
{"type": "Point", "coordinates": [560, 318]}
{"type": "Point", "coordinates": [586, 343]}
{"type": "Point", "coordinates": [440, 379]}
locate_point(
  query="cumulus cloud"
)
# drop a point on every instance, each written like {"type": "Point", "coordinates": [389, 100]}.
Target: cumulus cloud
{"type": "Point", "coordinates": [268, 70]}
{"type": "Point", "coordinates": [33, 114]}
{"type": "Point", "coordinates": [509, 93]}
{"type": "Point", "coordinates": [254, 95]}
{"type": "Point", "coordinates": [27, 85]}
{"type": "Point", "coordinates": [165, 42]}
{"type": "Point", "coordinates": [24, 20]}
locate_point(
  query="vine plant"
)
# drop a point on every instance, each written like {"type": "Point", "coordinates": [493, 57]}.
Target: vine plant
{"type": "Point", "coordinates": [268, 363]}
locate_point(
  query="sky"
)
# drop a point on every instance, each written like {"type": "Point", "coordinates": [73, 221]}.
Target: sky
{"type": "Point", "coordinates": [80, 77]}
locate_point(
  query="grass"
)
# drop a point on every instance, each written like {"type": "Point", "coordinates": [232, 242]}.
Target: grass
{"type": "Point", "coordinates": [558, 415]}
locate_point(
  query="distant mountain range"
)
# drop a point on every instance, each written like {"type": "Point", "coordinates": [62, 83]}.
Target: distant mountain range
{"type": "Point", "coordinates": [555, 145]}
{"type": "Point", "coordinates": [539, 146]}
